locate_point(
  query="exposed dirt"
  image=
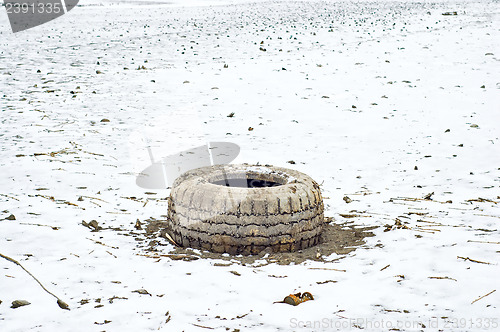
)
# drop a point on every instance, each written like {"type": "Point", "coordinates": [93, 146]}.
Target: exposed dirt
{"type": "Point", "coordinates": [336, 238]}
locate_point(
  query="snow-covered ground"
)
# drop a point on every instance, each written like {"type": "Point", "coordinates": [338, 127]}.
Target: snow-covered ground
{"type": "Point", "coordinates": [383, 102]}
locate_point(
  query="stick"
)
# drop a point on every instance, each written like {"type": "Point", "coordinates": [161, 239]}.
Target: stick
{"type": "Point", "coordinates": [473, 260]}
{"type": "Point", "coordinates": [482, 297]}
{"type": "Point", "coordinates": [483, 242]}
{"type": "Point", "coordinates": [9, 196]}
{"type": "Point", "coordinates": [385, 267]}
{"type": "Point", "coordinates": [61, 303]}
{"type": "Point", "coordinates": [205, 327]}
{"type": "Point", "coordinates": [325, 268]}
{"type": "Point", "coordinates": [444, 278]}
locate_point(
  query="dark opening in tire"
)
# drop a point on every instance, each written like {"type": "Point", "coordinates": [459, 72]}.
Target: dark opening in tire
{"type": "Point", "coordinates": [246, 183]}
{"type": "Point", "coordinates": [244, 209]}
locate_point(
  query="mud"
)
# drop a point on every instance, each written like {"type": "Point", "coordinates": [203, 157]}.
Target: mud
{"type": "Point", "coordinates": [338, 238]}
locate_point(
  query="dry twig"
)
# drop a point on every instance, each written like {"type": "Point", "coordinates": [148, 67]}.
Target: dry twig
{"type": "Point", "coordinates": [385, 267]}
{"type": "Point", "coordinates": [472, 260]}
{"type": "Point", "coordinates": [443, 278]}
{"type": "Point", "coordinates": [325, 268]}
{"type": "Point", "coordinates": [61, 303]}
{"type": "Point", "coordinates": [482, 297]}
{"type": "Point", "coordinates": [483, 241]}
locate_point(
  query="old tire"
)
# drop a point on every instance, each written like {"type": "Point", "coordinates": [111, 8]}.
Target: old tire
{"type": "Point", "coordinates": [244, 209]}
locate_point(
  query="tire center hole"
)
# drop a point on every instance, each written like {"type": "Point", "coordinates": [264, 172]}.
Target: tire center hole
{"type": "Point", "coordinates": [248, 182]}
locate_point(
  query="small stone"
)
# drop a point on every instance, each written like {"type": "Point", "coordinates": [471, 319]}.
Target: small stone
{"type": "Point", "coordinates": [104, 120]}
{"type": "Point", "coordinates": [347, 199]}
{"type": "Point", "coordinates": [98, 72]}
{"type": "Point", "coordinates": [235, 273]}
{"type": "Point", "coordinates": [415, 168]}
{"type": "Point", "coordinates": [138, 224]}
{"type": "Point", "coordinates": [142, 292]}
{"type": "Point", "coordinates": [483, 86]}
{"type": "Point", "coordinates": [62, 304]}
{"type": "Point", "coordinates": [11, 217]}
{"type": "Point", "coordinates": [231, 115]}
{"type": "Point", "coordinates": [291, 162]}
{"type": "Point", "coordinates": [93, 224]}
{"type": "Point", "coordinates": [447, 130]}
{"type": "Point", "coordinates": [19, 303]}
{"type": "Point", "coordinates": [474, 125]}
{"type": "Point", "coordinates": [80, 199]}
{"type": "Point", "coordinates": [250, 128]}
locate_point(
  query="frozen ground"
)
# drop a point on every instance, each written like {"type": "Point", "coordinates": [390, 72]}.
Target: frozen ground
{"type": "Point", "coordinates": [383, 102]}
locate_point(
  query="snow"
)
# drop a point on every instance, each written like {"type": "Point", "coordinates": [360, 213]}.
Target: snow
{"type": "Point", "coordinates": [366, 92]}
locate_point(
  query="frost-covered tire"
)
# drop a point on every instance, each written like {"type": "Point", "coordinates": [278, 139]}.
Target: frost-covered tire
{"type": "Point", "coordinates": [244, 209]}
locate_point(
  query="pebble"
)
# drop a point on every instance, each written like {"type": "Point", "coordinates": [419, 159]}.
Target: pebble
{"type": "Point", "coordinates": [19, 303]}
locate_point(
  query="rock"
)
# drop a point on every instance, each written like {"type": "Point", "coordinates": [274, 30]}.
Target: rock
{"type": "Point", "coordinates": [19, 303]}
{"type": "Point", "coordinates": [347, 199]}
{"type": "Point", "coordinates": [93, 225]}
{"type": "Point", "coordinates": [104, 120]}
{"type": "Point", "coordinates": [11, 217]}
{"type": "Point", "coordinates": [142, 292]}
{"type": "Point", "coordinates": [138, 224]}
{"type": "Point", "coordinates": [62, 304]}
{"type": "Point", "coordinates": [231, 115]}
